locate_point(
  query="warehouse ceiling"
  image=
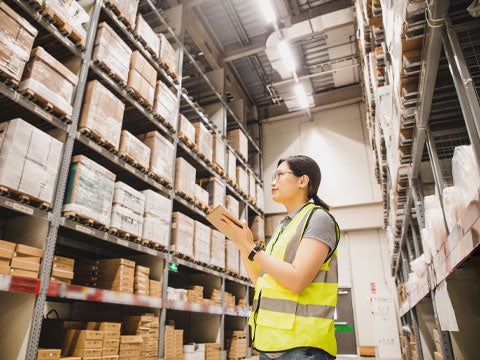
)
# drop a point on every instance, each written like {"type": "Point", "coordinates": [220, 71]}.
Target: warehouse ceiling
{"type": "Point", "coordinates": [234, 35]}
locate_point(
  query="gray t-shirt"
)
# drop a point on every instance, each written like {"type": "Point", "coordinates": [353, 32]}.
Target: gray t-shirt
{"type": "Point", "coordinates": [320, 226]}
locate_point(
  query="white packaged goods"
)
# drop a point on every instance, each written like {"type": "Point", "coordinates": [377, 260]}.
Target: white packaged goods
{"type": "Point", "coordinates": [142, 77]}
{"type": "Point", "coordinates": [219, 151]}
{"type": "Point", "coordinates": [239, 142]}
{"type": "Point", "coordinates": [216, 191]}
{"type": "Point", "coordinates": [260, 196]}
{"type": "Point", "coordinates": [147, 36]}
{"type": "Point", "coordinates": [217, 249]}
{"type": "Point", "coordinates": [29, 159]}
{"type": "Point", "coordinates": [453, 204]}
{"type": "Point", "coordinates": [186, 129]}
{"type": "Point", "coordinates": [258, 229]}
{"type": "Point", "coordinates": [204, 140]}
{"type": "Point", "coordinates": [167, 54]}
{"type": "Point", "coordinates": [202, 242]}
{"type": "Point", "coordinates": [252, 189]}
{"type": "Point", "coordinates": [90, 190]}
{"type": "Point", "coordinates": [182, 234]}
{"type": "Point", "coordinates": [126, 220]}
{"type": "Point", "coordinates": [191, 354]}
{"type": "Point", "coordinates": [465, 172]}
{"type": "Point", "coordinates": [232, 258]}
{"type": "Point", "coordinates": [166, 104]}
{"type": "Point", "coordinates": [242, 179]}
{"type": "Point", "coordinates": [162, 154]}
{"type": "Point", "coordinates": [201, 194]}
{"type": "Point", "coordinates": [127, 9]}
{"type": "Point", "coordinates": [102, 114]}
{"type": "Point", "coordinates": [185, 177]}
{"type": "Point", "coordinates": [232, 166]}
{"type": "Point", "coordinates": [134, 149]}
{"type": "Point", "coordinates": [419, 266]}
{"type": "Point", "coordinates": [434, 221]}
{"type": "Point", "coordinates": [71, 13]}
{"type": "Point", "coordinates": [157, 205]}
{"type": "Point", "coordinates": [156, 229]}
{"type": "Point", "coordinates": [16, 41]}
{"type": "Point", "coordinates": [128, 197]}
{"type": "Point", "coordinates": [111, 51]}
{"type": "Point", "coordinates": [50, 80]}
{"type": "Point", "coordinates": [233, 205]}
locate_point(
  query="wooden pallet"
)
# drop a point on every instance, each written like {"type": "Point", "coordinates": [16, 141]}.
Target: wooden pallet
{"type": "Point", "coordinates": [72, 215]}
{"type": "Point", "coordinates": [124, 234]}
{"type": "Point", "coordinates": [7, 80]}
{"type": "Point", "coordinates": [190, 144]}
{"type": "Point", "coordinates": [204, 158]}
{"type": "Point", "coordinates": [47, 105]}
{"type": "Point", "coordinates": [94, 135]}
{"type": "Point", "coordinates": [35, 4]}
{"type": "Point", "coordinates": [24, 198]}
{"type": "Point", "coordinates": [183, 256]}
{"type": "Point", "coordinates": [154, 245]}
{"type": "Point", "coordinates": [141, 100]}
{"type": "Point", "coordinates": [167, 68]}
{"type": "Point", "coordinates": [65, 28]}
{"type": "Point", "coordinates": [160, 180]}
{"type": "Point", "coordinates": [112, 5]}
{"type": "Point", "coordinates": [107, 70]}
{"type": "Point", "coordinates": [219, 170]}
{"type": "Point", "coordinates": [185, 196]}
{"type": "Point", "coordinates": [201, 205]}
{"type": "Point", "coordinates": [132, 161]}
{"type": "Point", "coordinates": [145, 45]}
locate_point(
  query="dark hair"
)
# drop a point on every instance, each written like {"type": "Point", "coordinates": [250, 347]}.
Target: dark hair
{"type": "Point", "coordinates": [304, 165]}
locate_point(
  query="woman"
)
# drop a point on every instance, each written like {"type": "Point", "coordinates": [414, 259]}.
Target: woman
{"type": "Point", "coordinates": [295, 277]}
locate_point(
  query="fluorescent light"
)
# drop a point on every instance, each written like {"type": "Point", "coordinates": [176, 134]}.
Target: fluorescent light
{"type": "Point", "coordinates": [286, 55]}
{"type": "Point", "coordinates": [301, 96]}
{"type": "Point", "coordinates": [267, 10]}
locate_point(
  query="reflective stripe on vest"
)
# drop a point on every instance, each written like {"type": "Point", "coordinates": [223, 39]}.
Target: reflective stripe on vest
{"type": "Point", "coordinates": [282, 320]}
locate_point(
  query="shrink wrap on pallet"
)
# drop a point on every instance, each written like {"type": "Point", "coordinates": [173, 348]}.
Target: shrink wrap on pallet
{"type": "Point", "coordinates": [465, 172]}
{"type": "Point", "coordinates": [126, 196]}
{"type": "Point", "coordinates": [29, 159]}
{"type": "Point", "coordinates": [134, 149]}
{"type": "Point", "coordinates": [166, 104]}
{"type": "Point", "coordinates": [50, 81]}
{"type": "Point", "coordinates": [182, 234]}
{"type": "Point", "coordinates": [112, 51]}
{"type": "Point", "coordinates": [204, 140]}
{"type": "Point", "coordinates": [167, 54]}
{"type": "Point", "coordinates": [162, 154]}
{"type": "Point", "coordinates": [72, 14]}
{"type": "Point", "coordinates": [156, 225]}
{"type": "Point", "coordinates": [147, 36]}
{"type": "Point", "coordinates": [185, 177]}
{"type": "Point", "coordinates": [218, 156]}
{"type": "Point", "coordinates": [125, 219]}
{"type": "Point", "coordinates": [186, 128]}
{"type": "Point", "coordinates": [217, 249]}
{"type": "Point", "coordinates": [102, 114]}
{"type": "Point", "coordinates": [142, 77]}
{"type": "Point", "coordinates": [202, 242]}
{"type": "Point", "coordinates": [16, 40]}
{"type": "Point", "coordinates": [125, 9]}
{"type": "Point", "coordinates": [239, 142]}
{"type": "Point", "coordinates": [90, 190]}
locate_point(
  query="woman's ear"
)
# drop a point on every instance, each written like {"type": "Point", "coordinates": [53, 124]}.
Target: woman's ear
{"type": "Point", "coordinates": [304, 180]}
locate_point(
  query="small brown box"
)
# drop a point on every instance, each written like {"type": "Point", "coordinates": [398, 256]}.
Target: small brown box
{"type": "Point", "coordinates": [131, 339]}
{"type": "Point", "coordinates": [16, 263]}
{"type": "Point", "coordinates": [24, 273]}
{"type": "Point", "coordinates": [49, 354]}
{"type": "Point", "coordinates": [85, 353]}
{"type": "Point", "coordinates": [104, 326]}
{"type": "Point", "coordinates": [26, 258]}
{"type": "Point", "coordinates": [7, 245]}
{"type": "Point", "coordinates": [109, 351]}
{"type": "Point", "coordinates": [4, 269]}
{"type": "Point", "coordinates": [112, 343]}
{"type": "Point", "coordinates": [28, 250]}
{"type": "Point", "coordinates": [63, 260]}
{"type": "Point", "coordinates": [6, 253]}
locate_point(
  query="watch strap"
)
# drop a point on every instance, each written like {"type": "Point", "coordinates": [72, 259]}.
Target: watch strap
{"type": "Point", "coordinates": [254, 252]}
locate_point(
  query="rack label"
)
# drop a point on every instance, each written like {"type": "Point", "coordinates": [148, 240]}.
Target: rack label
{"type": "Point", "coordinates": [22, 208]}
{"type": "Point", "coordinates": [123, 242]}
{"type": "Point", "coordinates": [84, 229]}
{"type": "Point", "coordinates": [43, 113]}
{"type": "Point", "coordinates": [95, 146]}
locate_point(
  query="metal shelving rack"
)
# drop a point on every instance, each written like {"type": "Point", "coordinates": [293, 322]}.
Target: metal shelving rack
{"type": "Point", "coordinates": [443, 107]}
{"type": "Point", "coordinates": [68, 236]}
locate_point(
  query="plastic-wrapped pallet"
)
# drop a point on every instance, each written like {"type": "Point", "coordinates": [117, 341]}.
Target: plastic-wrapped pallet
{"type": "Point", "coordinates": [147, 36]}
{"type": "Point", "coordinates": [126, 196]}
{"type": "Point", "coordinates": [183, 228]}
{"type": "Point", "coordinates": [217, 249]}
{"type": "Point", "coordinates": [434, 221]}
{"type": "Point", "coordinates": [233, 205]}
{"type": "Point", "coordinates": [50, 80]}
{"type": "Point", "coordinates": [218, 156]}
{"type": "Point", "coordinates": [134, 149]}
{"type": "Point", "coordinates": [126, 220]}
{"type": "Point", "coordinates": [216, 190]}
{"type": "Point", "coordinates": [72, 14]}
{"type": "Point", "coordinates": [186, 129]}
{"type": "Point", "coordinates": [465, 172]}
{"type": "Point", "coordinates": [258, 229]}
{"type": "Point", "coordinates": [232, 258]}
{"type": "Point", "coordinates": [239, 142]}
{"type": "Point", "coordinates": [166, 104]}
{"type": "Point", "coordinates": [90, 190]}
{"type": "Point", "coordinates": [156, 225]}
{"type": "Point", "coordinates": [102, 114]}
{"type": "Point", "coordinates": [167, 54]}
{"type": "Point", "coordinates": [231, 166]}
{"type": "Point", "coordinates": [127, 10]}
{"type": "Point", "coordinates": [112, 51]}
{"type": "Point", "coordinates": [185, 177]}
{"type": "Point", "coordinates": [194, 352]}
{"type": "Point", "coordinates": [162, 153]}
{"type": "Point", "coordinates": [242, 270]}
{"type": "Point", "coordinates": [202, 242]}
{"type": "Point", "coordinates": [204, 140]}
{"type": "Point", "coordinates": [142, 77]}
{"type": "Point", "coordinates": [453, 203]}
{"type": "Point", "coordinates": [252, 188]}
{"type": "Point", "coordinates": [29, 159]}
{"type": "Point", "coordinates": [242, 179]}
{"type": "Point", "coordinates": [141, 285]}
{"type": "Point", "coordinates": [201, 194]}
{"type": "Point", "coordinates": [16, 40]}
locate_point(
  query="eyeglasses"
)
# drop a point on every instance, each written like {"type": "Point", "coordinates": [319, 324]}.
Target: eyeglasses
{"type": "Point", "coordinates": [277, 174]}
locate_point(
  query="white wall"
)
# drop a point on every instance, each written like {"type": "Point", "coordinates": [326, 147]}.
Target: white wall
{"type": "Point", "coordinates": [338, 140]}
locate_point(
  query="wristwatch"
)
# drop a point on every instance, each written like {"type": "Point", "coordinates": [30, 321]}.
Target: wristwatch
{"type": "Point", "coordinates": [254, 252]}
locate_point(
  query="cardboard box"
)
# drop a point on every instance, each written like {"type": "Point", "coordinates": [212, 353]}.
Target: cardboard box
{"type": "Point", "coordinates": [28, 250]}
{"type": "Point", "coordinates": [128, 197]}
{"type": "Point", "coordinates": [217, 249]}
{"type": "Point", "coordinates": [102, 113]}
{"type": "Point", "coordinates": [5, 269]}
{"type": "Point", "coordinates": [155, 288]}
{"type": "Point", "coordinates": [90, 190]}
{"type": "Point", "coordinates": [186, 128]}
{"type": "Point", "coordinates": [112, 51]}
{"type": "Point", "coordinates": [6, 253]}
{"type": "Point", "coordinates": [16, 40]}
{"type": "Point", "coordinates": [29, 159]}
{"type": "Point", "coordinates": [63, 260]}
{"type": "Point", "coordinates": [26, 258]}
{"type": "Point", "coordinates": [166, 104]}
{"type": "Point", "coordinates": [239, 142]}
{"type": "Point", "coordinates": [50, 354]}
{"type": "Point", "coordinates": [72, 14]}
{"type": "Point", "coordinates": [231, 166]}
{"type": "Point", "coordinates": [232, 258]}
{"type": "Point", "coordinates": [233, 205]}
{"type": "Point", "coordinates": [142, 77]}
{"type": "Point", "coordinates": [242, 179]}
{"type": "Point", "coordinates": [162, 154]}
{"type": "Point", "coordinates": [49, 79]}
{"type": "Point", "coordinates": [148, 37]}
{"type": "Point", "coordinates": [126, 220]}
{"type": "Point", "coordinates": [219, 154]}
{"type": "Point", "coordinates": [216, 190]}
{"type": "Point", "coordinates": [112, 343]}
{"type": "Point", "coordinates": [135, 149]}
{"type": "Point", "coordinates": [182, 234]}
{"type": "Point", "coordinates": [185, 175]}
{"type": "Point", "coordinates": [127, 9]}
{"type": "Point", "coordinates": [16, 263]}
{"type": "Point", "coordinates": [202, 242]}
{"type": "Point", "coordinates": [156, 229]}
{"type": "Point", "coordinates": [24, 273]}
{"type": "Point", "coordinates": [109, 351]}
{"type": "Point", "coordinates": [7, 245]}
{"type": "Point", "coordinates": [167, 54]}
{"type": "Point", "coordinates": [204, 140]}
{"type": "Point", "coordinates": [201, 195]}
{"type": "Point", "coordinates": [367, 350]}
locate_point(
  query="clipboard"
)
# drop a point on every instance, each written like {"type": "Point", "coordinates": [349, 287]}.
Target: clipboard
{"type": "Point", "coordinates": [214, 217]}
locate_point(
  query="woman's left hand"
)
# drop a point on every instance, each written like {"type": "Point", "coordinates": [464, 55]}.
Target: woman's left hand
{"type": "Point", "coordinates": [241, 237]}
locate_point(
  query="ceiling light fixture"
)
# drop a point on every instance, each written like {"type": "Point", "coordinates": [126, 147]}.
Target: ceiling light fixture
{"type": "Point", "coordinates": [301, 96]}
{"type": "Point", "coordinates": [286, 54]}
{"type": "Point", "coordinates": [267, 10]}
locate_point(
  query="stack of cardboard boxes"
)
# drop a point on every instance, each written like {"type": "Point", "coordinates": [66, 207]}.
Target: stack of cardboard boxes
{"type": "Point", "coordinates": [236, 345]}
{"type": "Point", "coordinates": [232, 258]}
{"type": "Point", "coordinates": [130, 347]}
{"type": "Point", "coordinates": [6, 253]}
{"type": "Point", "coordinates": [239, 142]}
{"type": "Point", "coordinates": [231, 166]}
{"type": "Point", "coordinates": [202, 242]}
{"type": "Point", "coordinates": [156, 224]}
{"type": "Point", "coordinates": [62, 270]}
{"type": "Point", "coordinates": [204, 141]}
{"type": "Point", "coordinates": [127, 210]}
{"type": "Point", "coordinates": [167, 55]}
{"type": "Point", "coordinates": [142, 78]}
{"type": "Point", "coordinates": [242, 180]}
{"type": "Point", "coordinates": [83, 343]}
{"type": "Point", "coordinates": [155, 288]}
{"type": "Point", "coordinates": [26, 261]}
{"type": "Point", "coordinates": [162, 155]}
{"type": "Point", "coordinates": [48, 354]}
{"type": "Point", "coordinates": [147, 327]}
{"type": "Point", "coordinates": [213, 351]}
{"type": "Point", "coordinates": [185, 178]}
{"type": "Point", "coordinates": [218, 157]}
{"type": "Point", "coordinates": [166, 104]}
{"type": "Point", "coordinates": [217, 249]}
{"type": "Point", "coordinates": [126, 9]}
{"type": "Point", "coordinates": [116, 275]}
{"type": "Point", "coordinates": [141, 284]}
{"type": "Point", "coordinates": [186, 131]}
{"type": "Point", "coordinates": [147, 36]}
{"type": "Point", "coordinates": [216, 190]}
{"type": "Point", "coordinates": [134, 150]}
{"type": "Point", "coordinates": [182, 234]}
{"type": "Point", "coordinates": [173, 343]}
{"type": "Point", "coordinates": [195, 294]}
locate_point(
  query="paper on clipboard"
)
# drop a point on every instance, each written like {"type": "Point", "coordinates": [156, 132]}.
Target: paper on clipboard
{"type": "Point", "coordinates": [215, 216]}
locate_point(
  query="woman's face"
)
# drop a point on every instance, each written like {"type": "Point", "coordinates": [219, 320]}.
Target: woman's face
{"type": "Point", "coordinates": [285, 185]}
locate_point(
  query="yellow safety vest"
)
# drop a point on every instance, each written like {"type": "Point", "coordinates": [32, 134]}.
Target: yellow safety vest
{"type": "Point", "coordinates": [282, 320]}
